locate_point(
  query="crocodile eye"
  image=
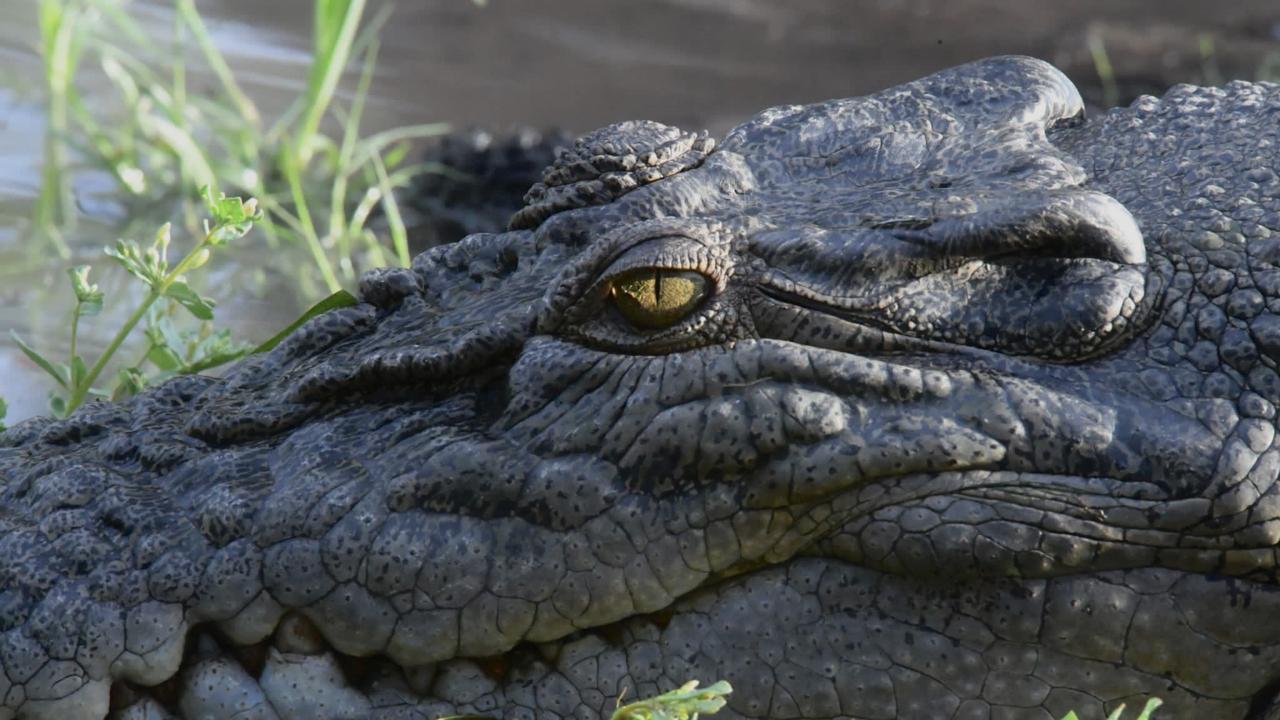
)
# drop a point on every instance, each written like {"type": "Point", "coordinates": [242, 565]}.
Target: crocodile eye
{"type": "Point", "coordinates": [656, 298]}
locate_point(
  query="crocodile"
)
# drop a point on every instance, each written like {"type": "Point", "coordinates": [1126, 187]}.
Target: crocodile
{"type": "Point", "coordinates": [942, 402]}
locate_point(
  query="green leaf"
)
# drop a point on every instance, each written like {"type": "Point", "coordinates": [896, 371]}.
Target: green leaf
{"type": "Point", "coordinates": [1118, 713]}
{"type": "Point", "coordinates": [160, 244]}
{"type": "Point", "coordinates": [162, 331]}
{"type": "Point", "coordinates": [1150, 708]}
{"type": "Point", "coordinates": [88, 296]}
{"type": "Point", "coordinates": [137, 263]}
{"type": "Point", "coordinates": [339, 299]}
{"type": "Point", "coordinates": [213, 360]}
{"type": "Point", "coordinates": [57, 405]}
{"type": "Point", "coordinates": [396, 155]}
{"type": "Point", "coordinates": [223, 234]}
{"type": "Point", "coordinates": [129, 382]}
{"type": "Point", "coordinates": [684, 703]}
{"type": "Point", "coordinates": [201, 307]}
{"type": "Point", "coordinates": [164, 358]}
{"type": "Point", "coordinates": [213, 350]}
{"type": "Point", "coordinates": [4, 410]}
{"type": "Point", "coordinates": [230, 210]}
{"type": "Point", "coordinates": [232, 216]}
{"type": "Point", "coordinates": [198, 258]}
{"type": "Point", "coordinates": [57, 373]}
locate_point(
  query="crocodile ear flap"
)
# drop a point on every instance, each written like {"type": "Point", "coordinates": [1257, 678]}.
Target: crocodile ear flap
{"type": "Point", "coordinates": [608, 163]}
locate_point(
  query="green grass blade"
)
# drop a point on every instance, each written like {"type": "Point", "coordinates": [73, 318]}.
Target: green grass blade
{"type": "Point", "coordinates": [131, 70]}
{"type": "Point", "coordinates": [290, 165]}
{"type": "Point", "coordinates": [53, 204]}
{"type": "Point", "coordinates": [350, 139]}
{"type": "Point", "coordinates": [248, 111]}
{"type": "Point", "coordinates": [403, 176]}
{"type": "Point", "coordinates": [399, 236]}
{"type": "Point", "coordinates": [1102, 65]}
{"type": "Point", "coordinates": [336, 22]}
{"type": "Point", "coordinates": [376, 143]}
{"type": "Point", "coordinates": [61, 37]}
{"type": "Point", "coordinates": [122, 24]}
{"type": "Point", "coordinates": [58, 374]}
{"type": "Point", "coordinates": [185, 147]}
{"type": "Point", "coordinates": [339, 299]}
{"type": "Point", "coordinates": [52, 14]}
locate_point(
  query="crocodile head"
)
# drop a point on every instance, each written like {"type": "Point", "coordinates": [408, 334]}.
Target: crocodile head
{"type": "Point", "coordinates": [941, 402]}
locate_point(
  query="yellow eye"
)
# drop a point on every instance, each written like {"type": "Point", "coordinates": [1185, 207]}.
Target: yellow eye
{"type": "Point", "coordinates": [655, 298]}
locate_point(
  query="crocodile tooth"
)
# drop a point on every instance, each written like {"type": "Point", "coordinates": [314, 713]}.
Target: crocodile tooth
{"type": "Point", "coordinates": [353, 620]}
{"type": "Point", "coordinates": [550, 651]}
{"type": "Point", "coordinates": [299, 636]}
{"type": "Point", "coordinates": [420, 678]}
{"type": "Point", "coordinates": [219, 689]}
{"type": "Point", "coordinates": [424, 636]}
{"type": "Point", "coordinates": [155, 634]}
{"type": "Point", "coordinates": [145, 709]}
{"type": "Point", "coordinates": [255, 622]}
{"type": "Point", "coordinates": [310, 687]}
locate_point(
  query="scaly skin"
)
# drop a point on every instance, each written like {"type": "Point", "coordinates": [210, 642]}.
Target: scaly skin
{"type": "Point", "coordinates": [973, 416]}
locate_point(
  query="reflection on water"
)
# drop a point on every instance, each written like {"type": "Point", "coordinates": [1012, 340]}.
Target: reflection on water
{"type": "Point", "coordinates": [572, 63]}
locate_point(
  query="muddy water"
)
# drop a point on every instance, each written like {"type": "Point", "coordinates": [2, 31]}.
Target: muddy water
{"type": "Point", "coordinates": [577, 64]}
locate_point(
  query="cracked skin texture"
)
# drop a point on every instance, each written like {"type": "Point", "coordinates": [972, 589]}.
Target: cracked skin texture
{"type": "Point", "coordinates": [974, 417]}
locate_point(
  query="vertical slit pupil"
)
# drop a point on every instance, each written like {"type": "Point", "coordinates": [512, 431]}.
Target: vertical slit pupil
{"type": "Point", "coordinates": [653, 298]}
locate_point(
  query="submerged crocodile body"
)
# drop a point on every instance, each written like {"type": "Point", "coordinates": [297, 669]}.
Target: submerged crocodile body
{"type": "Point", "coordinates": [937, 403]}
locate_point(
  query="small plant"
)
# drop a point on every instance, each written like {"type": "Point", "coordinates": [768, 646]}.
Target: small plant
{"type": "Point", "coordinates": [314, 192]}
{"type": "Point", "coordinates": [686, 702]}
{"type": "Point", "coordinates": [1118, 713]}
{"type": "Point", "coordinates": [169, 350]}
{"type": "Point", "coordinates": [317, 192]}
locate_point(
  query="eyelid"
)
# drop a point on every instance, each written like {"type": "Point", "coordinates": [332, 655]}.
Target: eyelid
{"type": "Point", "coordinates": [674, 253]}
{"type": "Point", "coordinates": [578, 303]}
